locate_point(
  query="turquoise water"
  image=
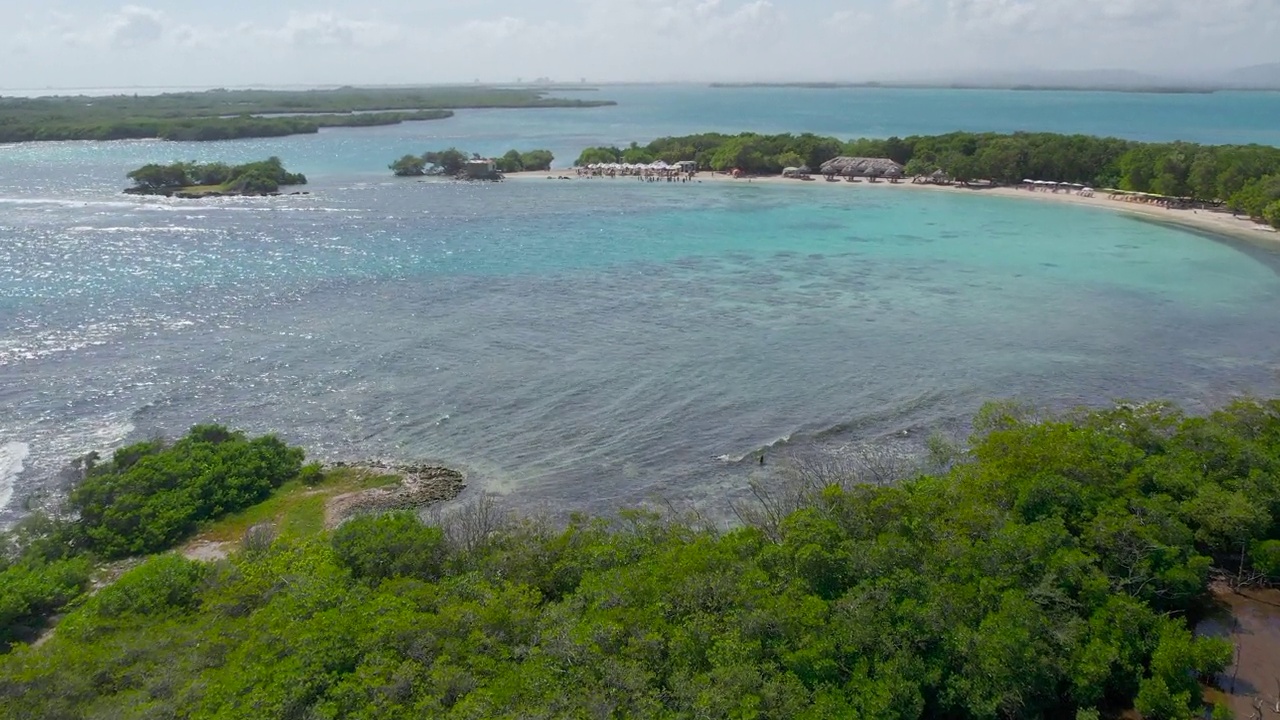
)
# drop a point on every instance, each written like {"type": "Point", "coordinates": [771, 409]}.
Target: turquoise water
{"type": "Point", "coordinates": [585, 344]}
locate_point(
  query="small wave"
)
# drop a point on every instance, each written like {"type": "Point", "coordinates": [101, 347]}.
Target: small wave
{"type": "Point", "coordinates": [64, 202]}
{"type": "Point", "coordinates": [783, 441]}
{"type": "Point", "coordinates": [890, 422]}
{"type": "Point", "coordinates": [11, 456]}
{"type": "Point", "coordinates": [138, 229]}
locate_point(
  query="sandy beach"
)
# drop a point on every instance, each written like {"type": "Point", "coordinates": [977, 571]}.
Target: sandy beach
{"type": "Point", "coordinates": [1218, 223]}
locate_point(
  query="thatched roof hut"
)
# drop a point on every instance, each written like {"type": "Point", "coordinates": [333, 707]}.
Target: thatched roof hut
{"type": "Point", "coordinates": [862, 167]}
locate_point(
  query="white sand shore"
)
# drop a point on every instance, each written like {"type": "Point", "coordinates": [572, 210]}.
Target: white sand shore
{"type": "Point", "coordinates": [1219, 223]}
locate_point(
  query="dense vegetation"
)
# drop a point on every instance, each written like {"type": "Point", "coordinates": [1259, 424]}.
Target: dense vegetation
{"type": "Point", "coordinates": [227, 114]}
{"type": "Point", "coordinates": [1246, 177]}
{"type": "Point", "coordinates": [208, 129]}
{"type": "Point", "coordinates": [534, 160]}
{"type": "Point", "coordinates": [1051, 571]}
{"type": "Point", "coordinates": [266, 176]}
{"type": "Point", "coordinates": [452, 161]}
{"type": "Point", "coordinates": [146, 499]}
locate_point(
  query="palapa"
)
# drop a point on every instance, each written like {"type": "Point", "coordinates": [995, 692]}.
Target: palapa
{"type": "Point", "coordinates": [862, 167]}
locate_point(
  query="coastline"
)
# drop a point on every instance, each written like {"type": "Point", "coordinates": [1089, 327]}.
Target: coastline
{"type": "Point", "coordinates": [1217, 223]}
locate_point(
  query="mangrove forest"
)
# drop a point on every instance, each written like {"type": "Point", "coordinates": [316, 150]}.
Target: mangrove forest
{"type": "Point", "coordinates": [230, 114]}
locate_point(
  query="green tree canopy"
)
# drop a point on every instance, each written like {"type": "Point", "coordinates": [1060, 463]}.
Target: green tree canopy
{"type": "Point", "coordinates": [409, 166]}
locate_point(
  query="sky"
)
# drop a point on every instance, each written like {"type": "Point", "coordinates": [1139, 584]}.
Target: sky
{"type": "Point", "coordinates": [155, 43]}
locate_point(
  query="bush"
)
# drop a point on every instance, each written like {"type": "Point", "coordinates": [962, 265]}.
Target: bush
{"type": "Point", "coordinates": [150, 496]}
{"type": "Point", "coordinates": [28, 593]}
{"type": "Point", "coordinates": [311, 474]}
{"type": "Point", "coordinates": [162, 584]}
{"type": "Point", "coordinates": [537, 160]}
{"type": "Point", "coordinates": [376, 548]}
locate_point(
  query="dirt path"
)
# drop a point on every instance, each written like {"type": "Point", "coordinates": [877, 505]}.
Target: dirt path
{"type": "Point", "coordinates": [207, 551]}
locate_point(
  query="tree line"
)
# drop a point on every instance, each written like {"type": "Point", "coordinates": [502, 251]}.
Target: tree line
{"type": "Point", "coordinates": [1246, 178]}
{"type": "Point", "coordinates": [266, 176]}
{"type": "Point", "coordinates": [1053, 569]}
{"type": "Point", "coordinates": [452, 161]}
{"type": "Point", "coordinates": [205, 129]}
{"type": "Point", "coordinates": [228, 114]}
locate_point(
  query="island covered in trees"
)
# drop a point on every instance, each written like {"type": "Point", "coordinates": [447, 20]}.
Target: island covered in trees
{"type": "Point", "coordinates": [1246, 178]}
{"type": "Point", "coordinates": [195, 180]}
{"type": "Point", "coordinates": [1055, 567]}
{"type": "Point", "coordinates": [456, 163]}
{"type": "Point", "coordinates": [229, 114]}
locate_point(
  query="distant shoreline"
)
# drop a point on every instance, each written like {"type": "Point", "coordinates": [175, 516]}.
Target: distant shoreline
{"type": "Point", "coordinates": [1213, 222]}
{"type": "Point", "coordinates": [1141, 89]}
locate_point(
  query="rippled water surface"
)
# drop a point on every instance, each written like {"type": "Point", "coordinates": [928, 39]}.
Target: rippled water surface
{"type": "Point", "coordinates": [583, 343]}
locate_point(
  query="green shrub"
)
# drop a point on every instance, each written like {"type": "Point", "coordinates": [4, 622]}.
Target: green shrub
{"type": "Point", "coordinates": [398, 544]}
{"type": "Point", "coordinates": [151, 496]}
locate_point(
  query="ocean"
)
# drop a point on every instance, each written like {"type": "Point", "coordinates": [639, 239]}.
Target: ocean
{"type": "Point", "coordinates": [588, 345]}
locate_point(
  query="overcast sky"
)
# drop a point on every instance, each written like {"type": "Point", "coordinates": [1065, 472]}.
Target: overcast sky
{"type": "Point", "coordinates": [91, 43]}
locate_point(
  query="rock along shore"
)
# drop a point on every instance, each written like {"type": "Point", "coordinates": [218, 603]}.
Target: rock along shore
{"type": "Point", "coordinates": [419, 487]}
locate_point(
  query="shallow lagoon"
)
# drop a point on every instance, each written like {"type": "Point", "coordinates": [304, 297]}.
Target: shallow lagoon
{"type": "Point", "coordinates": [588, 343]}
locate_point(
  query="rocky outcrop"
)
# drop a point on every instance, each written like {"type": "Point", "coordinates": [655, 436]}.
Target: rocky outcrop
{"type": "Point", "coordinates": [420, 486]}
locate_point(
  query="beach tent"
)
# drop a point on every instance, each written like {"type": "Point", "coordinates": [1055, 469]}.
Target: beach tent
{"type": "Point", "coordinates": [790, 171]}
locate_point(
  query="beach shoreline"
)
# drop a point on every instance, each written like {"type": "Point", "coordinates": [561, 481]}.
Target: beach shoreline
{"type": "Point", "coordinates": [1216, 223]}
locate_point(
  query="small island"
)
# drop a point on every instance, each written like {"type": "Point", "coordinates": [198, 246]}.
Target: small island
{"type": "Point", "coordinates": [458, 164]}
{"type": "Point", "coordinates": [192, 180]}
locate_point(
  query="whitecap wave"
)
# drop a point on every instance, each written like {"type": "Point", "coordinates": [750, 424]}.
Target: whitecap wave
{"type": "Point", "coordinates": [65, 202]}
{"type": "Point", "coordinates": [11, 456]}
{"type": "Point", "coordinates": [735, 459]}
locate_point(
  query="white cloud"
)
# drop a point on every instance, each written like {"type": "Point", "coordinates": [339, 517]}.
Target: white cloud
{"type": "Point", "coordinates": [328, 29]}
{"type": "Point", "coordinates": [136, 26]}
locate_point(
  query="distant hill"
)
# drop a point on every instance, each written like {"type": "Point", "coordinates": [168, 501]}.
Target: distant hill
{"type": "Point", "coordinates": [1262, 77]}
